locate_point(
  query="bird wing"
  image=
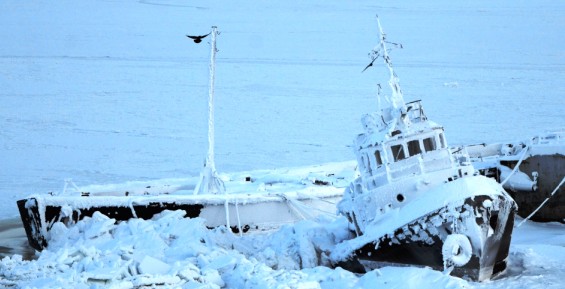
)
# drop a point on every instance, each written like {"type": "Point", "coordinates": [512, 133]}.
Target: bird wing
{"type": "Point", "coordinates": [369, 65]}
{"type": "Point", "coordinates": [373, 58]}
{"type": "Point", "coordinates": [197, 37]}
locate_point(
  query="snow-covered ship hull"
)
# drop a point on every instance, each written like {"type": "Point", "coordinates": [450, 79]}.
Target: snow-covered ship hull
{"type": "Point", "coordinates": [258, 201]}
{"type": "Point", "coordinates": [532, 172]}
{"type": "Point", "coordinates": [469, 233]}
{"type": "Point", "coordinates": [418, 202]}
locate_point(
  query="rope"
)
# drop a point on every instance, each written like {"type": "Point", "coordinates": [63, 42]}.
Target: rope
{"type": "Point", "coordinates": [315, 198]}
{"type": "Point", "coordinates": [297, 210]}
{"type": "Point", "coordinates": [130, 205]}
{"type": "Point", "coordinates": [303, 210]}
{"type": "Point", "coordinates": [543, 203]}
{"type": "Point", "coordinates": [292, 206]}
{"type": "Point", "coordinates": [304, 206]}
{"type": "Point", "coordinates": [516, 166]}
{"type": "Point", "coordinates": [66, 186]}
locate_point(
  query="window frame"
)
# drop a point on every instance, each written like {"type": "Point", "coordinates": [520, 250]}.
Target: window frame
{"type": "Point", "coordinates": [414, 144]}
{"type": "Point", "coordinates": [399, 154]}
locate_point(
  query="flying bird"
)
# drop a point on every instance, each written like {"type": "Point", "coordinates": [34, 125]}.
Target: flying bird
{"type": "Point", "coordinates": [198, 39]}
{"type": "Point", "coordinates": [371, 63]}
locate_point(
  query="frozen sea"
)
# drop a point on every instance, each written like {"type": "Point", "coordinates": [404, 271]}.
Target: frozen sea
{"type": "Point", "coordinates": [112, 91]}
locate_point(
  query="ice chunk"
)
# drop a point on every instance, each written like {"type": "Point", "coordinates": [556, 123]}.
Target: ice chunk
{"type": "Point", "coordinates": [150, 265]}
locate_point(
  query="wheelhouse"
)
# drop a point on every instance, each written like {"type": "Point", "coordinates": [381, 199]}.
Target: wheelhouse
{"type": "Point", "coordinates": [403, 156]}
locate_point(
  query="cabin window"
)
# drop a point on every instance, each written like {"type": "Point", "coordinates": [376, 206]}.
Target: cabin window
{"type": "Point", "coordinates": [378, 157]}
{"type": "Point", "coordinates": [414, 147]}
{"type": "Point", "coordinates": [364, 164]}
{"type": "Point", "coordinates": [398, 152]}
{"type": "Point", "coordinates": [429, 144]}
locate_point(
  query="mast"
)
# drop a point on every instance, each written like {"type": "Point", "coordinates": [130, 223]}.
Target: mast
{"type": "Point", "coordinates": [210, 157]}
{"type": "Point", "coordinates": [397, 99]}
{"type": "Point", "coordinates": [391, 112]}
{"type": "Point", "coordinates": [209, 180]}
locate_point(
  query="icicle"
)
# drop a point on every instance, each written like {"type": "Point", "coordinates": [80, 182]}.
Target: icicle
{"type": "Point", "coordinates": [238, 218]}
{"type": "Point", "coordinates": [227, 207]}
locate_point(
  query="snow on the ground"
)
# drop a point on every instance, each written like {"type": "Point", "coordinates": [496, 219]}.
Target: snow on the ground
{"type": "Point", "coordinates": [112, 91]}
{"type": "Point", "coordinates": [172, 251]}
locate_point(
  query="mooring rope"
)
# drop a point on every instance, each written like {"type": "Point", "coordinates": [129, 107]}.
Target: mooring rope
{"type": "Point", "coordinates": [516, 166]}
{"type": "Point", "coordinates": [300, 212]}
{"type": "Point", "coordinates": [66, 186]}
{"type": "Point", "coordinates": [543, 203]}
{"type": "Point", "coordinates": [303, 210]}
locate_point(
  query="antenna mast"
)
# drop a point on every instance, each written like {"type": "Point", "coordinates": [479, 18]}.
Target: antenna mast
{"type": "Point", "coordinates": [397, 100]}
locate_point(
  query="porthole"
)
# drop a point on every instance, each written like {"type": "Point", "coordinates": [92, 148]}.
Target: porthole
{"type": "Point", "coordinates": [400, 198]}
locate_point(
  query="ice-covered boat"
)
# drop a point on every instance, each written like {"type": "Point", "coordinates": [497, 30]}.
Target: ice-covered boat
{"type": "Point", "coordinates": [258, 200]}
{"type": "Point", "coordinates": [531, 171]}
{"type": "Point", "coordinates": [417, 202]}
{"type": "Point", "coordinates": [254, 201]}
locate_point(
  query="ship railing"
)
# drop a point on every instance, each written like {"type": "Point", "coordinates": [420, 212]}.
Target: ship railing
{"type": "Point", "coordinates": [415, 111]}
{"type": "Point", "coordinates": [481, 151]}
{"type": "Point", "coordinates": [552, 137]}
{"type": "Point", "coordinates": [397, 170]}
{"type": "Point", "coordinates": [416, 165]}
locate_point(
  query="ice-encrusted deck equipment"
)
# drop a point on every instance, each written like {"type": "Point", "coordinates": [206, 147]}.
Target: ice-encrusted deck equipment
{"type": "Point", "coordinates": [532, 171]}
{"type": "Point", "coordinates": [249, 201]}
{"type": "Point", "coordinates": [417, 202]}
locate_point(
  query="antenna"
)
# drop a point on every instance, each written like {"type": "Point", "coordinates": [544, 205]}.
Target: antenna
{"type": "Point", "coordinates": [393, 108]}
{"type": "Point", "coordinates": [396, 99]}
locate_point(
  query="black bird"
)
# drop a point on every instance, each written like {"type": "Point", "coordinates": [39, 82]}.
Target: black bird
{"type": "Point", "coordinates": [198, 39]}
{"type": "Point", "coordinates": [370, 64]}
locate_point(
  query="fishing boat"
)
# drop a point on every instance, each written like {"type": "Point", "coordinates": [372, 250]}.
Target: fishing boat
{"type": "Point", "coordinates": [243, 202]}
{"type": "Point", "coordinates": [416, 201]}
{"type": "Point", "coordinates": [531, 171]}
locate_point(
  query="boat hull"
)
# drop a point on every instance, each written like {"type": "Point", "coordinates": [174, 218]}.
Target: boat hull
{"type": "Point", "coordinates": [550, 171]}
{"type": "Point", "coordinates": [532, 172]}
{"type": "Point", "coordinates": [242, 213]}
{"type": "Point", "coordinates": [462, 226]}
{"type": "Point", "coordinates": [484, 263]}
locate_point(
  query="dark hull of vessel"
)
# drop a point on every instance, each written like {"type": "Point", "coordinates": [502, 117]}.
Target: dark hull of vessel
{"type": "Point", "coordinates": [240, 212]}
{"type": "Point", "coordinates": [36, 223]}
{"type": "Point", "coordinates": [488, 261]}
{"type": "Point", "coordinates": [550, 170]}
